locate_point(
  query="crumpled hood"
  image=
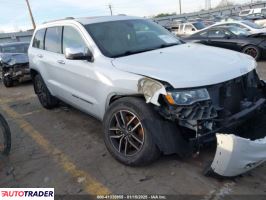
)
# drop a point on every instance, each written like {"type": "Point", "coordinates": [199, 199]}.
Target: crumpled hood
{"type": "Point", "coordinates": [188, 65]}
{"type": "Point", "coordinates": [11, 59]}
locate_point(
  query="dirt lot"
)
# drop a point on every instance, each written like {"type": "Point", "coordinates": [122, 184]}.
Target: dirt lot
{"type": "Point", "coordinates": [63, 148]}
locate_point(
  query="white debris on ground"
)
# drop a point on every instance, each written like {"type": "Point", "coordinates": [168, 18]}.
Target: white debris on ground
{"type": "Point", "coordinates": [236, 155]}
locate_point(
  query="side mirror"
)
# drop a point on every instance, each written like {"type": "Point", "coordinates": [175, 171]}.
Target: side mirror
{"type": "Point", "coordinates": [193, 29]}
{"type": "Point", "coordinates": [78, 54]}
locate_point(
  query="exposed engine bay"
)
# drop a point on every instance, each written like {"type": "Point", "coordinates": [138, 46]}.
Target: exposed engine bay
{"type": "Point", "coordinates": [201, 113]}
{"type": "Point", "coordinates": [15, 68]}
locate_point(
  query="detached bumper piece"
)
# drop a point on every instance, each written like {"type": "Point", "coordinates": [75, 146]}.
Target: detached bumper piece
{"type": "Point", "coordinates": [236, 155]}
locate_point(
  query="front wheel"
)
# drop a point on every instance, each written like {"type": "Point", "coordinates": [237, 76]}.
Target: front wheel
{"type": "Point", "coordinates": [7, 80]}
{"type": "Point", "coordinates": [125, 132]}
{"type": "Point", "coordinates": [253, 51]}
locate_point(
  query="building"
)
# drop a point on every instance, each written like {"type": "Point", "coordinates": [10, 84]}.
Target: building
{"type": "Point", "coordinates": [23, 36]}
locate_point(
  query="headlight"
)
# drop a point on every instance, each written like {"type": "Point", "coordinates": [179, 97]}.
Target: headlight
{"type": "Point", "coordinates": [187, 97]}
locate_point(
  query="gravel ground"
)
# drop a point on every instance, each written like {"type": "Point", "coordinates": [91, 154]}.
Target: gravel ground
{"type": "Point", "coordinates": [63, 148]}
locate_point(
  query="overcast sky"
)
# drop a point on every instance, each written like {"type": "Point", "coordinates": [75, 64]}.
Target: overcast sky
{"type": "Point", "coordinates": [14, 14]}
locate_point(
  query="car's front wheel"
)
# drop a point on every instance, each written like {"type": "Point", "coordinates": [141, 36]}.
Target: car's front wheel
{"type": "Point", "coordinates": [7, 80]}
{"type": "Point", "coordinates": [45, 97]}
{"type": "Point", "coordinates": [125, 132]}
{"type": "Point", "coordinates": [253, 51]}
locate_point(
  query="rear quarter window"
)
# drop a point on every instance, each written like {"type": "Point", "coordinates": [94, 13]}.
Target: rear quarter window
{"type": "Point", "coordinates": [53, 39]}
{"type": "Point", "coordinates": [38, 41]}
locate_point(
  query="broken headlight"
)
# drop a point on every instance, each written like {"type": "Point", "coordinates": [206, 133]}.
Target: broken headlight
{"type": "Point", "coordinates": [187, 97]}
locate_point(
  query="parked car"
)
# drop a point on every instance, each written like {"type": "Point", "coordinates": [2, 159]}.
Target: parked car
{"type": "Point", "coordinates": [246, 12]}
{"type": "Point", "coordinates": [154, 93]}
{"type": "Point", "coordinates": [234, 38]}
{"type": "Point", "coordinates": [247, 25]}
{"type": "Point", "coordinates": [188, 28]}
{"type": "Point", "coordinates": [14, 63]}
{"type": "Point", "coordinates": [258, 18]}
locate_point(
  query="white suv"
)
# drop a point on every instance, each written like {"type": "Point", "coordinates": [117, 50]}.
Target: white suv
{"type": "Point", "coordinates": [154, 93]}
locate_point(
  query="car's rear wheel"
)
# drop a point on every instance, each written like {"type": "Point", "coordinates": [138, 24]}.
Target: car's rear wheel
{"type": "Point", "coordinates": [125, 132]}
{"type": "Point", "coordinates": [253, 51]}
{"type": "Point", "coordinates": [46, 99]}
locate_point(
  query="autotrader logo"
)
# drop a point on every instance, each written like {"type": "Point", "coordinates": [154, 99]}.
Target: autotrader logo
{"type": "Point", "coordinates": [27, 193]}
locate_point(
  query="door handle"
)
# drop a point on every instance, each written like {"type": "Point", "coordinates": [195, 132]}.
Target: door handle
{"type": "Point", "coordinates": [40, 55]}
{"type": "Point", "coordinates": [61, 62]}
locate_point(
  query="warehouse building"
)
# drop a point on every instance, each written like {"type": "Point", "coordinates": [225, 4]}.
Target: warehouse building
{"type": "Point", "coordinates": [23, 36]}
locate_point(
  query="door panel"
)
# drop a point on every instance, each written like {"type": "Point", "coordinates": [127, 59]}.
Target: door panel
{"type": "Point", "coordinates": [75, 77]}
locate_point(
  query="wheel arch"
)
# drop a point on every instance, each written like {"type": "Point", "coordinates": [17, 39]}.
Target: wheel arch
{"type": "Point", "coordinates": [114, 97]}
{"type": "Point", "coordinates": [33, 73]}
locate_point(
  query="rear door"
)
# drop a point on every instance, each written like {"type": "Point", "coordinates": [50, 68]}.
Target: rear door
{"type": "Point", "coordinates": [36, 54]}
{"type": "Point", "coordinates": [222, 38]}
{"type": "Point", "coordinates": [50, 59]}
{"type": "Point", "coordinates": [201, 37]}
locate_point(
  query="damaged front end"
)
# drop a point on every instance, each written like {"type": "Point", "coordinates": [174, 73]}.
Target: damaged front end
{"type": "Point", "coordinates": [202, 112]}
{"type": "Point", "coordinates": [15, 68]}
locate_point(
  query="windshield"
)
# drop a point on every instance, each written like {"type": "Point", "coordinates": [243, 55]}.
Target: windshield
{"type": "Point", "coordinates": [238, 31]}
{"type": "Point", "coordinates": [127, 37]}
{"type": "Point", "coordinates": [15, 48]}
{"type": "Point", "coordinates": [199, 25]}
{"type": "Point", "coordinates": [252, 25]}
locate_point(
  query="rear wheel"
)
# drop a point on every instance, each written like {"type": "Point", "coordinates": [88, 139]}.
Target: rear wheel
{"type": "Point", "coordinates": [253, 51]}
{"type": "Point", "coordinates": [45, 97]}
{"type": "Point", "coordinates": [5, 137]}
{"type": "Point", "coordinates": [125, 132]}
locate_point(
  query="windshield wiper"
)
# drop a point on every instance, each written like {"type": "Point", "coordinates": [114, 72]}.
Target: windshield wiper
{"type": "Point", "coordinates": [167, 45]}
{"type": "Point", "coordinates": [127, 53]}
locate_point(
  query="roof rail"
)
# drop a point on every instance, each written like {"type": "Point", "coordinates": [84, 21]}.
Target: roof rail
{"type": "Point", "coordinates": [59, 20]}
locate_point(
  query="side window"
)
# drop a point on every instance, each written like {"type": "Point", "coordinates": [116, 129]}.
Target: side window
{"type": "Point", "coordinates": [53, 39]}
{"type": "Point", "coordinates": [188, 28]}
{"type": "Point", "coordinates": [216, 34]}
{"type": "Point", "coordinates": [228, 34]}
{"type": "Point", "coordinates": [72, 39]}
{"type": "Point", "coordinates": [38, 41]}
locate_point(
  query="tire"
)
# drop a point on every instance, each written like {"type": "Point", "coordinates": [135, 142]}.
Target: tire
{"type": "Point", "coordinates": [130, 107]}
{"type": "Point", "coordinates": [7, 81]}
{"type": "Point", "coordinates": [253, 51]}
{"type": "Point", "coordinates": [5, 145]}
{"type": "Point", "coordinates": [46, 99]}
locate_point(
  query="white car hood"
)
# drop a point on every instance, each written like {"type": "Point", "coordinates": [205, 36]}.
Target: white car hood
{"type": "Point", "coordinates": [188, 65]}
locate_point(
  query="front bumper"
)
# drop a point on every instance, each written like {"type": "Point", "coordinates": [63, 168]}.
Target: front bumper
{"type": "Point", "coordinates": [236, 155]}
{"type": "Point", "coordinates": [232, 122]}
{"type": "Point", "coordinates": [20, 74]}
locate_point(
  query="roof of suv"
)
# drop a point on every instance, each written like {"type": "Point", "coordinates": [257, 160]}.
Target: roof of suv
{"type": "Point", "coordinates": [99, 19]}
{"type": "Point", "coordinates": [91, 20]}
